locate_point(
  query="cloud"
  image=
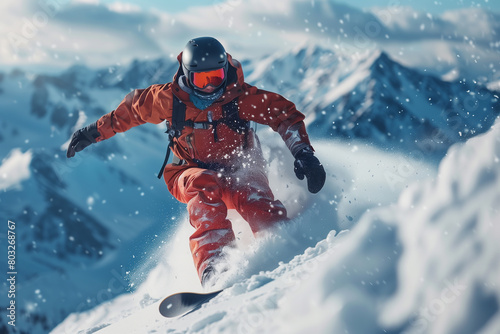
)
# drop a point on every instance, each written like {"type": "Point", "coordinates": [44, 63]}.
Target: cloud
{"type": "Point", "coordinates": [116, 17]}
{"type": "Point", "coordinates": [56, 32]}
{"type": "Point", "coordinates": [59, 32]}
{"type": "Point", "coordinates": [406, 24]}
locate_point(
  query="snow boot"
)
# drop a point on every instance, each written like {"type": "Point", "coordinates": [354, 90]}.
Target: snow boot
{"type": "Point", "coordinates": [210, 275]}
{"type": "Point", "coordinates": [207, 276]}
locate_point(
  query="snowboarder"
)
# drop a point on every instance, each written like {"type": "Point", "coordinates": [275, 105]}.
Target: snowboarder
{"type": "Point", "coordinates": [217, 163]}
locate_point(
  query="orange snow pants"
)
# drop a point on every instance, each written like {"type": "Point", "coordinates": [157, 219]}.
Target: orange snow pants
{"type": "Point", "coordinates": [209, 194]}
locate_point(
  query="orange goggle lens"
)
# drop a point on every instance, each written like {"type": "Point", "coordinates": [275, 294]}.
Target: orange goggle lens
{"type": "Point", "coordinates": [203, 79]}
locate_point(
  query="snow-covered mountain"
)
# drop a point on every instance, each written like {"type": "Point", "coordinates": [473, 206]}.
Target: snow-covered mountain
{"type": "Point", "coordinates": [374, 98]}
{"type": "Point", "coordinates": [87, 224]}
{"type": "Point", "coordinates": [81, 223]}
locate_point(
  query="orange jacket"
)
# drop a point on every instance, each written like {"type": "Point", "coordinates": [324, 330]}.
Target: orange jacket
{"type": "Point", "coordinates": [154, 105]}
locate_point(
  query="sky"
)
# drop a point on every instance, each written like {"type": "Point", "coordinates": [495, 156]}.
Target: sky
{"type": "Point", "coordinates": [431, 6]}
{"type": "Point", "coordinates": [51, 35]}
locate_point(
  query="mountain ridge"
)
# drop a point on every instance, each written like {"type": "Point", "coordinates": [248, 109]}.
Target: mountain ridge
{"type": "Point", "coordinates": [372, 92]}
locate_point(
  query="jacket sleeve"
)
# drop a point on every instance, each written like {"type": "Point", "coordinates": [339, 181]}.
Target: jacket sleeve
{"type": "Point", "coordinates": [138, 107]}
{"type": "Point", "coordinates": [280, 114]}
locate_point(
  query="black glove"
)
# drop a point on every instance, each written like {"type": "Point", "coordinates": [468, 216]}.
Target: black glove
{"type": "Point", "coordinates": [306, 164]}
{"type": "Point", "coordinates": [82, 138]}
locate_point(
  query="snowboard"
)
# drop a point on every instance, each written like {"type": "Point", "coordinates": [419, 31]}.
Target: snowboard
{"type": "Point", "coordinates": [184, 302]}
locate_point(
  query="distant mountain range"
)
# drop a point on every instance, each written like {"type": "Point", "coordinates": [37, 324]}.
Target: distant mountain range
{"type": "Point", "coordinates": [377, 100]}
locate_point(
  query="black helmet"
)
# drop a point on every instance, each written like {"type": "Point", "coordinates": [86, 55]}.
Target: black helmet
{"type": "Point", "coordinates": [204, 54]}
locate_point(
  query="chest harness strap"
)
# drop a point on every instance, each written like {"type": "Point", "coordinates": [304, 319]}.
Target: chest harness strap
{"type": "Point", "coordinates": [230, 117]}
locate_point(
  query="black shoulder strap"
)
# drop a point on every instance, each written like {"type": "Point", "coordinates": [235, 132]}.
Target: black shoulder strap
{"type": "Point", "coordinates": [232, 118]}
{"type": "Point", "coordinates": [174, 129]}
{"type": "Point", "coordinates": [178, 115]}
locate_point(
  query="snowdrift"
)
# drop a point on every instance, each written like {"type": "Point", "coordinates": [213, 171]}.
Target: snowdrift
{"type": "Point", "coordinates": [426, 265]}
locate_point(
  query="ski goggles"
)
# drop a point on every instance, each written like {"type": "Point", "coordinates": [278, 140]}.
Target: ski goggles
{"type": "Point", "coordinates": [203, 79]}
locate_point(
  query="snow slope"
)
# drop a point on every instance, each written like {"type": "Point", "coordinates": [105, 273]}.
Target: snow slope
{"type": "Point", "coordinates": [427, 264]}
{"type": "Point", "coordinates": [357, 183]}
